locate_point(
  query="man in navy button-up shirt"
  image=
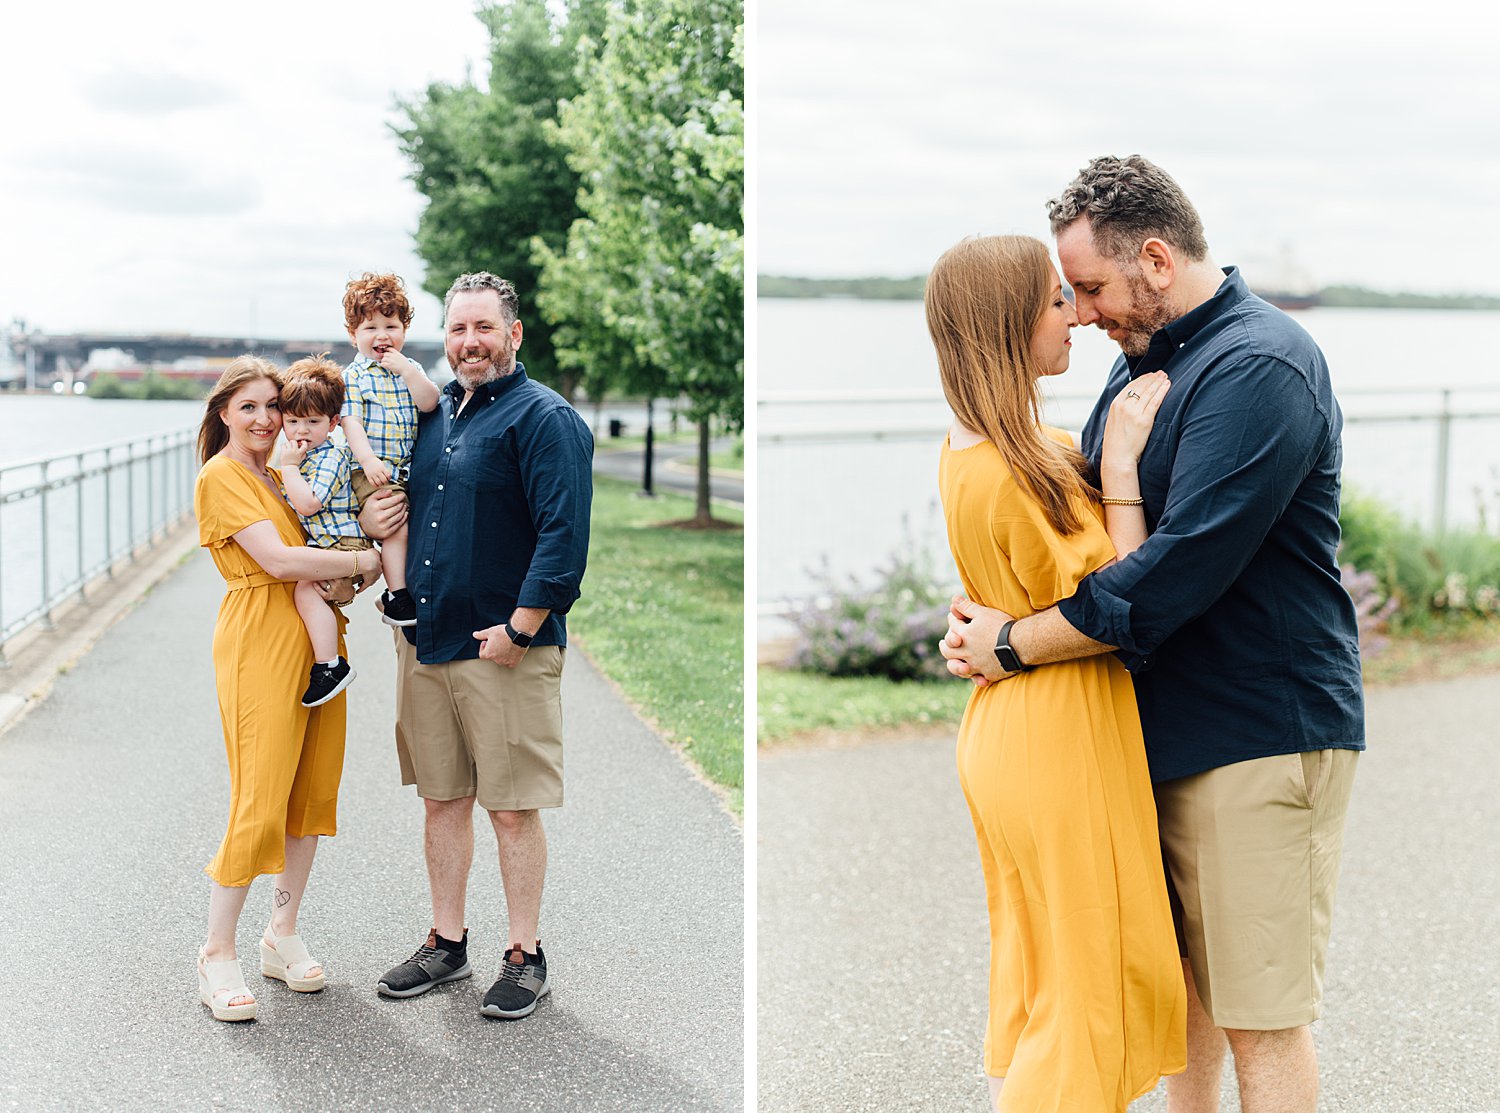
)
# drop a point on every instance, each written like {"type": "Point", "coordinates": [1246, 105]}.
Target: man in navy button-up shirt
{"type": "Point", "coordinates": [500, 489]}
{"type": "Point", "coordinates": [1231, 616]}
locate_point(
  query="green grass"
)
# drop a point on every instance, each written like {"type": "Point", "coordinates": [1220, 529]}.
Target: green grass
{"type": "Point", "coordinates": [792, 703]}
{"type": "Point", "coordinates": [662, 614]}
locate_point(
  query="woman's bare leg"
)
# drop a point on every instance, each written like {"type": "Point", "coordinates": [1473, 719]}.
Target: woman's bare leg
{"type": "Point", "coordinates": [224, 905]}
{"type": "Point", "coordinates": [289, 885]}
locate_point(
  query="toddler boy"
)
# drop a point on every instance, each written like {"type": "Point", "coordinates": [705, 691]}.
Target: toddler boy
{"type": "Point", "coordinates": [383, 392]}
{"type": "Point", "coordinates": [315, 475]}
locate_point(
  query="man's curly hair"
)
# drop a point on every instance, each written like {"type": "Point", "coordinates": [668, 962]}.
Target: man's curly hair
{"type": "Point", "coordinates": [1128, 201]}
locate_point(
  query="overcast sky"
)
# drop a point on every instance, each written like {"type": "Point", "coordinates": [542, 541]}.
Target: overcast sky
{"type": "Point", "coordinates": [213, 168]}
{"type": "Point", "coordinates": [1370, 145]}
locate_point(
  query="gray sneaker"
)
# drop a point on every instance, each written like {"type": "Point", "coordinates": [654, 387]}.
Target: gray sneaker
{"type": "Point", "coordinates": [522, 983]}
{"type": "Point", "coordinates": [433, 964]}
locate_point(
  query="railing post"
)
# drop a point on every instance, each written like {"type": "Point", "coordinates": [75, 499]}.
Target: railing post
{"type": "Point", "coordinates": [78, 479]}
{"type": "Point", "coordinates": [109, 514]}
{"type": "Point", "coordinates": [130, 500]}
{"type": "Point", "coordinates": [150, 492]}
{"type": "Point", "coordinates": [46, 561]}
{"type": "Point", "coordinates": [1445, 424]}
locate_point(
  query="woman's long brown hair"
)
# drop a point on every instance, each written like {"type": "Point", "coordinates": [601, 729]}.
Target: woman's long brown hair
{"type": "Point", "coordinates": [213, 434]}
{"type": "Point", "coordinates": [984, 299]}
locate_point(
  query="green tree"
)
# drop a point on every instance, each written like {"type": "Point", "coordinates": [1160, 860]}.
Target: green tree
{"type": "Point", "coordinates": [487, 163]}
{"type": "Point", "coordinates": [657, 136]}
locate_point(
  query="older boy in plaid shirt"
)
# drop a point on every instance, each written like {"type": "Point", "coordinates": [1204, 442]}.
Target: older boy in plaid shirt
{"type": "Point", "coordinates": [383, 392]}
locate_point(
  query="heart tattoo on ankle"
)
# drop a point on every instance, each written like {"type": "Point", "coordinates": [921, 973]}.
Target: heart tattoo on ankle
{"type": "Point", "coordinates": [282, 896]}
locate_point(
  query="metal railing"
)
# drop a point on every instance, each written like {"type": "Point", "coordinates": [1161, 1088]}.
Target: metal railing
{"type": "Point", "coordinates": [1444, 414]}
{"type": "Point", "coordinates": [67, 520]}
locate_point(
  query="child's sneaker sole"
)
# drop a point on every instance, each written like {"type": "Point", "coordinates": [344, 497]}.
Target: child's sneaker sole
{"type": "Point", "coordinates": [348, 680]}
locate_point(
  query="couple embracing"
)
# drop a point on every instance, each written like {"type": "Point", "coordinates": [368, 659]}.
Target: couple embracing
{"type": "Point", "coordinates": [1160, 747]}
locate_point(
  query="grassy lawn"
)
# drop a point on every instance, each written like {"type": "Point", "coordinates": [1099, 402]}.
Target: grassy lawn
{"type": "Point", "coordinates": [662, 614]}
{"type": "Point", "coordinates": [795, 705]}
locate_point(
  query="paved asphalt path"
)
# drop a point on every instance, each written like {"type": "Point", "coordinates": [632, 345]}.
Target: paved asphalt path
{"type": "Point", "coordinates": [112, 798]}
{"type": "Point", "coordinates": [675, 469]}
{"type": "Point", "coordinates": [873, 947]}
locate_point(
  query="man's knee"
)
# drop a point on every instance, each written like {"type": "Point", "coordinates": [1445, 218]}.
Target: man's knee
{"type": "Point", "coordinates": [1252, 1042]}
{"type": "Point", "coordinates": [448, 810]}
{"type": "Point", "coordinates": [514, 823]}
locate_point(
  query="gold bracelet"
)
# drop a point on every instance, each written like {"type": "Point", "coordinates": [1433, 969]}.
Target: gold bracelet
{"type": "Point", "coordinates": [355, 554]}
{"type": "Point", "coordinates": [1122, 502]}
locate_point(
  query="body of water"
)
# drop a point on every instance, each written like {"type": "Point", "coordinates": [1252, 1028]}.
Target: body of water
{"type": "Point", "coordinates": [851, 418]}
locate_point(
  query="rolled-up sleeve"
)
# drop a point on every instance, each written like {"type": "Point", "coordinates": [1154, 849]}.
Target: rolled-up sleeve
{"type": "Point", "coordinates": [1247, 441]}
{"type": "Point", "coordinates": [557, 473]}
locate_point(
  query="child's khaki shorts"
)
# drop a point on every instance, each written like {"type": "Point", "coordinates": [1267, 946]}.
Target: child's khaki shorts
{"type": "Point", "coordinates": [363, 488]}
{"type": "Point", "coordinates": [341, 591]}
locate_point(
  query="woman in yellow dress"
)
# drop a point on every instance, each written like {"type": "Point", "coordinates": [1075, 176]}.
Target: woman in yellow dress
{"type": "Point", "coordinates": [285, 760]}
{"type": "Point", "coordinates": [1087, 1004]}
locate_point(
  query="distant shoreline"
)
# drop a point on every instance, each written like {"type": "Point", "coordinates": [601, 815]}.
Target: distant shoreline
{"type": "Point", "coordinates": [910, 289]}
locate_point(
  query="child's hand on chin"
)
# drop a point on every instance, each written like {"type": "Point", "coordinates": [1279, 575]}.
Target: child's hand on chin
{"type": "Point", "coordinates": [393, 360]}
{"type": "Point", "coordinates": [293, 453]}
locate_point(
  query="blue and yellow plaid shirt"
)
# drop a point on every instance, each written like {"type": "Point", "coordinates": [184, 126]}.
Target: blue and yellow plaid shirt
{"type": "Point", "coordinates": [326, 469]}
{"type": "Point", "coordinates": [383, 405]}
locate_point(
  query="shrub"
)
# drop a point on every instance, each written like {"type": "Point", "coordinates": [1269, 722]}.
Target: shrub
{"type": "Point", "coordinates": [890, 629]}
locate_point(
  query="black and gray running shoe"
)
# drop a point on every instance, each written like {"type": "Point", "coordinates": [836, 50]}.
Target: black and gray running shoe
{"type": "Point", "coordinates": [436, 961]}
{"type": "Point", "coordinates": [326, 681]}
{"type": "Point", "coordinates": [522, 983]}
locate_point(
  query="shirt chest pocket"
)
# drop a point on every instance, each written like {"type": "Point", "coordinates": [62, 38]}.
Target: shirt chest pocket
{"type": "Point", "coordinates": [487, 464]}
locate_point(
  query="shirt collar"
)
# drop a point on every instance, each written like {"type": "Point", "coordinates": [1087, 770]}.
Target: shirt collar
{"type": "Point", "coordinates": [488, 392]}
{"type": "Point", "coordinates": [1179, 333]}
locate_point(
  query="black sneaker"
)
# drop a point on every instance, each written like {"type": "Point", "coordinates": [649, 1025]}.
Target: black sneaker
{"type": "Point", "coordinates": [436, 961]}
{"type": "Point", "coordinates": [522, 983]}
{"type": "Point", "coordinates": [326, 681]}
{"type": "Point", "coordinates": [398, 608]}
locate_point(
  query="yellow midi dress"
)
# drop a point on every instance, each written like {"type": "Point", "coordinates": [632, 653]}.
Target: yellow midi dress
{"type": "Point", "coordinates": [285, 760]}
{"type": "Point", "coordinates": [1087, 1004]}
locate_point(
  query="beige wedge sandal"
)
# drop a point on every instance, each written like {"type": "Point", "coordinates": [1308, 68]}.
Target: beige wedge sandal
{"type": "Point", "coordinates": [220, 983]}
{"type": "Point", "coordinates": [288, 961]}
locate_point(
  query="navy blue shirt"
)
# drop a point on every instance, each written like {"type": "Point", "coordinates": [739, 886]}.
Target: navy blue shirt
{"type": "Point", "coordinates": [500, 497]}
{"type": "Point", "coordinates": [1231, 616]}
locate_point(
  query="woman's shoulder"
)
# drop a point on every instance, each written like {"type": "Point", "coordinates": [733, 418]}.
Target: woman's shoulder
{"type": "Point", "coordinates": [1061, 436]}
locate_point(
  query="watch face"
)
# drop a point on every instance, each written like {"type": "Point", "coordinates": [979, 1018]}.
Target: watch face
{"type": "Point", "coordinates": [1007, 658]}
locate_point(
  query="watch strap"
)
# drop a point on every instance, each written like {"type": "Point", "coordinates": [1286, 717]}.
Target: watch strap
{"type": "Point", "coordinates": [1005, 654]}
{"type": "Point", "coordinates": [523, 640]}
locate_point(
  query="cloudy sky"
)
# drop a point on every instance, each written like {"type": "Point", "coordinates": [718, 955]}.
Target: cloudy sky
{"type": "Point", "coordinates": [1367, 144]}
{"type": "Point", "coordinates": [213, 168]}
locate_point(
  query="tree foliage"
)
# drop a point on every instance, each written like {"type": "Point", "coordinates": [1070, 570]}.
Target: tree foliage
{"type": "Point", "coordinates": [487, 162]}
{"type": "Point", "coordinates": [652, 275]}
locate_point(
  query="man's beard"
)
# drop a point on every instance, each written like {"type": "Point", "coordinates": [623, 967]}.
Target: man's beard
{"type": "Point", "coordinates": [1149, 311]}
{"type": "Point", "coordinates": [474, 377]}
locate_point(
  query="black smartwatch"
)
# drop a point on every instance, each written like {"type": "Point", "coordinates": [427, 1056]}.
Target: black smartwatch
{"type": "Point", "coordinates": [1005, 654]}
{"type": "Point", "coordinates": [523, 640]}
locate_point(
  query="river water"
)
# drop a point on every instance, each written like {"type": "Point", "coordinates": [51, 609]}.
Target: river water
{"type": "Point", "coordinates": [835, 500]}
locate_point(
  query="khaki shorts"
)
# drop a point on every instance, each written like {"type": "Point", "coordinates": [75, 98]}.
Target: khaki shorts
{"type": "Point", "coordinates": [341, 590]}
{"type": "Point", "coordinates": [476, 728]}
{"type": "Point", "coordinates": [1252, 853]}
{"type": "Point", "coordinates": [363, 488]}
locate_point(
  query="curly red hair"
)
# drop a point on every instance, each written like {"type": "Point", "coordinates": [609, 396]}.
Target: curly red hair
{"type": "Point", "coordinates": [373, 293]}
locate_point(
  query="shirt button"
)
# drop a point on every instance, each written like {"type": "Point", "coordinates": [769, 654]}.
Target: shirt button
{"type": "Point", "coordinates": [447, 450]}
{"type": "Point", "coordinates": [434, 525]}
{"type": "Point", "coordinates": [427, 562]}
{"type": "Point", "coordinates": [440, 486]}
{"type": "Point", "coordinates": [424, 598]}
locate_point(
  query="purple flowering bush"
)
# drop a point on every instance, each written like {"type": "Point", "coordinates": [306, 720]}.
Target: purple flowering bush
{"type": "Point", "coordinates": [888, 629]}
{"type": "Point", "coordinates": [1372, 608]}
